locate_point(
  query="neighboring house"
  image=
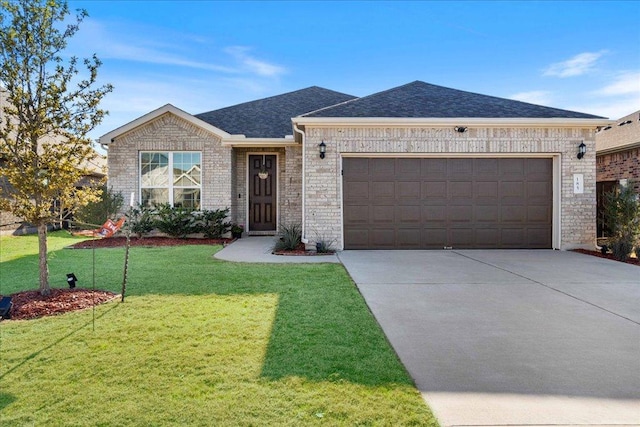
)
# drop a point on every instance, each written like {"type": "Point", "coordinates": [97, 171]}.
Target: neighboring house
{"type": "Point", "coordinates": [617, 159]}
{"type": "Point", "coordinates": [416, 166]}
{"type": "Point", "coordinates": [11, 224]}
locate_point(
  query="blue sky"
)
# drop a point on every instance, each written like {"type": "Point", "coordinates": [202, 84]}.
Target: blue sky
{"type": "Point", "coordinates": [201, 55]}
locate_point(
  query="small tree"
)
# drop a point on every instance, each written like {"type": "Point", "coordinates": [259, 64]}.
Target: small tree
{"type": "Point", "coordinates": [622, 217]}
{"type": "Point", "coordinates": [106, 207]}
{"type": "Point", "coordinates": [49, 109]}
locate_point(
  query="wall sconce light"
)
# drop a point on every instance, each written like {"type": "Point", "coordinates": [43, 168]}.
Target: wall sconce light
{"type": "Point", "coordinates": [71, 280]}
{"type": "Point", "coordinates": [461, 129]}
{"type": "Point", "coordinates": [582, 149]}
{"type": "Point", "coordinates": [323, 149]}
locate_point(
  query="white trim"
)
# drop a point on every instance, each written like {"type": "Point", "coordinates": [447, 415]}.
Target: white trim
{"type": "Point", "coordinates": [166, 109]}
{"type": "Point", "coordinates": [556, 212]}
{"type": "Point", "coordinates": [447, 122]}
{"type": "Point", "coordinates": [277, 198]}
{"type": "Point", "coordinates": [258, 142]}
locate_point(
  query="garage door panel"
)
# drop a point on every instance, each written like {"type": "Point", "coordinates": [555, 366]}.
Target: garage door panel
{"type": "Point", "coordinates": [486, 189]}
{"type": "Point", "coordinates": [434, 190]}
{"type": "Point", "coordinates": [383, 238]}
{"type": "Point", "coordinates": [357, 215]}
{"type": "Point", "coordinates": [356, 190]}
{"type": "Point", "coordinates": [382, 214]}
{"type": "Point", "coordinates": [434, 238]}
{"type": "Point", "coordinates": [357, 238]}
{"type": "Point", "coordinates": [442, 202]}
{"type": "Point", "coordinates": [436, 214]}
{"type": "Point", "coordinates": [408, 238]}
{"type": "Point", "coordinates": [356, 167]}
{"type": "Point", "coordinates": [383, 167]}
{"type": "Point", "coordinates": [460, 189]}
{"type": "Point", "coordinates": [487, 213]}
{"type": "Point", "coordinates": [538, 214]}
{"type": "Point", "coordinates": [409, 214]}
{"type": "Point", "coordinates": [433, 168]}
{"type": "Point", "coordinates": [408, 190]}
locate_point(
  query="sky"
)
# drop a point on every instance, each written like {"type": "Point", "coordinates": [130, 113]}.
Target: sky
{"type": "Point", "coordinates": [203, 55]}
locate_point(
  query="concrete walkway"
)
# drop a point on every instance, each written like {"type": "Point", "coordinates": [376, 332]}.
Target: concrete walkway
{"type": "Point", "coordinates": [258, 249]}
{"type": "Point", "coordinates": [518, 338]}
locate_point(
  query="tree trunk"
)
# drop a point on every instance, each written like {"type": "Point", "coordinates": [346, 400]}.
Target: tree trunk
{"type": "Point", "coordinates": [45, 289]}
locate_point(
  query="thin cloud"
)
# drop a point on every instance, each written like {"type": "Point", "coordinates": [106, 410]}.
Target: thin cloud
{"type": "Point", "coordinates": [575, 66]}
{"type": "Point", "coordinates": [539, 97]}
{"type": "Point", "coordinates": [128, 45]}
{"type": "Point", "coordinates": [625, 83]}
{"type": "Point", "coordinates": [253, 65]}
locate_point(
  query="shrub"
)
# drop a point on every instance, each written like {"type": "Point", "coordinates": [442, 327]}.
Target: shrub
{"type": "Point", "coordinates": [176, 222]}
{"type": "Point", "coordinates": [289, 237]}
{"type": "Point", "coordinates": [140, 220]}
{"type": "Point", "coordinates": [622, 217]}
{"type": "Point", "coordinates": [212, 223]}
{"type": "Point", "coordinates": [96, 213]}
{"type": "Point", "coordinates": [324, 244]}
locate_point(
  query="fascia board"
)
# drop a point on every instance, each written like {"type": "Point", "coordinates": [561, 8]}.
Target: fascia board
{"type": "Point", "coordinates": [616, 149]}
{"type": "Point", "coordinates": [168, 108]}
{"type": "Point", "coordinates": [460, 121]}
{"type": "Point", "coordinates": [258, 142]}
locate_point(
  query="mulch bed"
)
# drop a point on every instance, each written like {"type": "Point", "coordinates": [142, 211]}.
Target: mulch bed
{"type": "Point", "coordinates": [115, 242]}
{"type": "Point", "coordinates": [31, 305]}
{"type": "Point", "coordinates": [633, 261]}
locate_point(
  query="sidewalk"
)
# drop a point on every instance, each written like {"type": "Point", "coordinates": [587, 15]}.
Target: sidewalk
{"type": "Point", "coordinates": [258, 249]}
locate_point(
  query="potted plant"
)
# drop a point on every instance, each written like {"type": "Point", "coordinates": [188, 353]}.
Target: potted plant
{"type": "Point", "coordinates": [236, 230]}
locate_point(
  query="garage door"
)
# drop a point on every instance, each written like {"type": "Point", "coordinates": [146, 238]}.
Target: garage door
{"type": "Point", "coordinates": [435, 203]}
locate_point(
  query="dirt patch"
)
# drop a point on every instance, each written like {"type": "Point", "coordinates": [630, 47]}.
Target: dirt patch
{"type": "Point", "coordinates": [31, 305]}
{"type": "Point", "coordinates": [633, 261]}
{"type": "Point", "coordinates": [115, 242]}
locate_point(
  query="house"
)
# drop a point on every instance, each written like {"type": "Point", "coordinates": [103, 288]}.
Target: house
{"type": "Point", "coordinates": [416, 166]}
{"type": "Point", "coordinates": [617, 159]}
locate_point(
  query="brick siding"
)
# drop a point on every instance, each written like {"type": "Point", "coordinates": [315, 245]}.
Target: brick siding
{"type": "Point", "coordinates": [324, 180]}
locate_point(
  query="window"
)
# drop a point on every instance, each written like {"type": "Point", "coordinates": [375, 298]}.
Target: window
{"type": "Point", "coordinates": [171, 177]}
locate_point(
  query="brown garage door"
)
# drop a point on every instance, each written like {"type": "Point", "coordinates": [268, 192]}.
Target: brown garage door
{"type": "Point", "coordinates": [433, 203]}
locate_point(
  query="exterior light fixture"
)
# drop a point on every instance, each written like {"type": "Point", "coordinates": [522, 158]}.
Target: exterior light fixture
{"type": "Point", "coordinates": [461, 129]}
{"type": "Point", "coordinates": [323, 149]}
{"type": "Point", "coordinates": [582, 149]}
{"type": "Point", "coordinates": [71, 280]}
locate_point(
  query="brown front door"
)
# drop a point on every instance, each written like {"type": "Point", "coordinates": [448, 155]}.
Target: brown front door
{"type": "Point", "coordinates": [262, 193]}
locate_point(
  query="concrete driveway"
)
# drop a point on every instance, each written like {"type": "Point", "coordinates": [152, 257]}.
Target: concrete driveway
{"type": "Point", "coordinates": [519, 338]}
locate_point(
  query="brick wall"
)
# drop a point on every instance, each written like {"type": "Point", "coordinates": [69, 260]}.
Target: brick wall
{"type": "Point", "coordinates": [624, 164]}
{"type": "Point", "coordinates": [171, 133]}
{"type": "Point", "coordinates": [324, 180]}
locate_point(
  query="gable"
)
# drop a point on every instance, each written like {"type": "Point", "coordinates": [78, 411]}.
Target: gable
{"type": "Point", "coordinates": [163, 116]}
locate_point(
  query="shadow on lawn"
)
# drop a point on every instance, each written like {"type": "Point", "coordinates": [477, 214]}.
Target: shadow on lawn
{"type": "Point", "coordinates": [53, 344]}
{"type": "Point", "coordinates": [6, 399]}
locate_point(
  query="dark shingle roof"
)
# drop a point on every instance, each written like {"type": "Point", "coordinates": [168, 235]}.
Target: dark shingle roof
{"type": "Point", "coordinates": [271, 117]}
{"type": "Point", "coordinates": [423, 100]}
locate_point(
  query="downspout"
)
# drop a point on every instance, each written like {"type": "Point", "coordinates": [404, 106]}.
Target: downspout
{"type": "Point", "coordinates": [304, 179]}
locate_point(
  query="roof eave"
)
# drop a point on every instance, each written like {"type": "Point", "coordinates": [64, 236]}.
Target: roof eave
{"type": "Point", "coordinates": [452, 121]}
{"type": "Point", "coordinates": [236, 142]}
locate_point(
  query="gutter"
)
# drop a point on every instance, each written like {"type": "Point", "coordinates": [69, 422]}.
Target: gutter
{"type": "Point", "coordinates": [304, 180]}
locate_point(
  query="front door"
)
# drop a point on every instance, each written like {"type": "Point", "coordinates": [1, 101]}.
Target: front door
{"type": "Point", "coordinates": [262, 192]}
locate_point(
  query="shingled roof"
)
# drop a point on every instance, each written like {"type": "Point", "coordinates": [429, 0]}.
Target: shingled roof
{"type": "Point", "coordinates": [423, 100]}
{"type": "Point", "coordinates": [271, 117]}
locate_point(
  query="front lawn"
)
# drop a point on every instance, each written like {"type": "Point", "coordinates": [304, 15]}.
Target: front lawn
{"type": "Point", "coordinates": [198, 342]}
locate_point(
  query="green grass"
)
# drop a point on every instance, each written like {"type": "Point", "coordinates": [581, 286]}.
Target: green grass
{"type": "Point", "coordinates": [198, 342]}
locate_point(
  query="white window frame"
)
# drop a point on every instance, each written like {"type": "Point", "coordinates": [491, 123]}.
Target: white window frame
{"type": "Point", "coordinates": [170, 187]}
